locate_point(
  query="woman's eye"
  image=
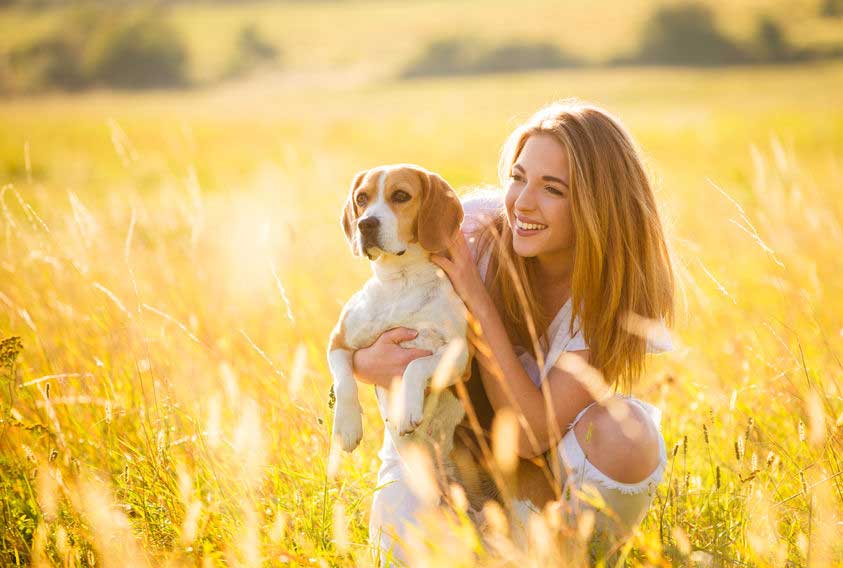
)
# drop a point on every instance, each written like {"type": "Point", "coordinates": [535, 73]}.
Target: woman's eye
{"type": "Point", "coordinates": [400, 196]}
{"type": "Point", "coordinates": [553, 190]}
{"type": "Point", "coordinates": [361, 199]}
{"type": "Point", "coordinates": [516, 177]}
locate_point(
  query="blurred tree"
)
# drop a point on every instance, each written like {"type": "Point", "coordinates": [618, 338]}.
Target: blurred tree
{"type": "Point", "coordinates": [54, 60]}
{"type": "Point", "coordinates": [515, 56]}
{"type": "Point", "coordinates": [445, 56]}
{"type": "Point", "coordinates": [251, 51]}
{"type": "Point", "coordinates": [832, 8]}
{"type": "Point", "coordinates": [102, 45]}
{"type": "Point", "coordinates": [463, 56]}
{"type": "Point", "coordinates": [46, 63]}
{"type": "Point", "coordinates": [138, 50]}
{"type": "Point", "coordinates": [685, 34]}
{"type": "Point", "coordinates": [772, 41]}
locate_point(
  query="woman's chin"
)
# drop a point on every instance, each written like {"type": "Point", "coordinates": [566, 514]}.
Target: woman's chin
{"type": "Point", "coordinates": [522, 249]}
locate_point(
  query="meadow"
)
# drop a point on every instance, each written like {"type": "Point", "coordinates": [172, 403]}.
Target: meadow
{"type": "Point", "coordinates": [173, 262]}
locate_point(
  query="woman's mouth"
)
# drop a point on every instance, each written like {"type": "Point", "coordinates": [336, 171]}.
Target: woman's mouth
{"type": "Point", "coordinates": [525, 229]}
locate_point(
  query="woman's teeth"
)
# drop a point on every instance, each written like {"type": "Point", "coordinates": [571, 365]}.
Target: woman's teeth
{"type": "Point", "coordinates": [529, 226]}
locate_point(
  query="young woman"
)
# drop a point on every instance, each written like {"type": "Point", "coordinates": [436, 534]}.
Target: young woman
{"type": "Point", "coordinates": [581, 262]}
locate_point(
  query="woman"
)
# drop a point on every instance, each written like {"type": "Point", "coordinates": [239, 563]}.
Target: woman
{"type": "Point", "coordinates": [582, 258]}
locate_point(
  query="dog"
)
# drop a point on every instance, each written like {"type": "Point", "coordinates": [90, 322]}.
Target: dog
{"type": "Point", "coordinates": [397, 215]}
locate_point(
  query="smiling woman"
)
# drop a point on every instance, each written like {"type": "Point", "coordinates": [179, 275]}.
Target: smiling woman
{"type": "Point", "coordinates": [555, 270]}
{"type": "Point", "coordinates": [600, 204]}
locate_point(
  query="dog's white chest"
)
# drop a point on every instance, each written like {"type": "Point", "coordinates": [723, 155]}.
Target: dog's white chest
{"type": "Point", "coordinates": [431, 308]}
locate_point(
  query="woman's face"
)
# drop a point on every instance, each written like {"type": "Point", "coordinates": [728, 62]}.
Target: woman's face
{"type": "Point", "coordinates": [538, 203]}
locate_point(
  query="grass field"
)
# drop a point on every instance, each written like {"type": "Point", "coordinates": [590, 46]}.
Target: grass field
{"type": "Point", "coordinates": [173, 263]}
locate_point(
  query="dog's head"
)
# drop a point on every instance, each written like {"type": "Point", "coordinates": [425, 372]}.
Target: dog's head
{"type": "Point", "coordinates": [390, 207]}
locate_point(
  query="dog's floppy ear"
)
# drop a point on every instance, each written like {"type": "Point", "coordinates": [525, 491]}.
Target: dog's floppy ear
{"type": "Point", "coordinates": [349, 214]}
{"type": "Point", "coordinates": [440, 213]}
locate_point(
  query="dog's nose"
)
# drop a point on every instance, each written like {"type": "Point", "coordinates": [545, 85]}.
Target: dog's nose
{"type": "Point", "coordinates": [368, 224]}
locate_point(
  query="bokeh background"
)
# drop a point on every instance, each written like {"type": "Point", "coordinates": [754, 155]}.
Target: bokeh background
{"type": "Point", "coordinates": [171, 261]}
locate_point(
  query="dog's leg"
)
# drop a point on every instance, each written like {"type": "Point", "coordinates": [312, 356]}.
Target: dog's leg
{"type": "Point", "coordinates": [413, 383]}
{"type": "Point", "coordinates": [416, 378]}
{"type": "Point", "coordinates": [460, 364]}
{"type": "Point", "coordinates": [348, 416]}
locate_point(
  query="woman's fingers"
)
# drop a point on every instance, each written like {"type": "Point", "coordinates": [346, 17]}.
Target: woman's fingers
{"type": "Point", "coordinates": [460, 243]}
{"type": "Point", "coordinates": [399, 334]}
{"type": "Point", "coordinates": [412, 354]}
{"type": "Point", "coordinates": [442, 263]}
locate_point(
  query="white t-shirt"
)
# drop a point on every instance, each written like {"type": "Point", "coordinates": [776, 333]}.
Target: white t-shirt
{"type": "Point", "coordinates": [480, 207]}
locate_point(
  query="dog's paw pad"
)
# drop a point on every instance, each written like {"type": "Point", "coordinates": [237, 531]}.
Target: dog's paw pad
{"type": "Point", "coordinates": [348, 430]}
{"type": "Point", "coordinates": [350, 443]}
{"type": "Point", "coordinates": [409, 427]}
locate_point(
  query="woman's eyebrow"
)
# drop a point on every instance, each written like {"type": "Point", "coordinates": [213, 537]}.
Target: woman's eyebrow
{"type": "Point", "coordinates": [545, 178]}
{"type": "Point", "coordinates": [556, 179]}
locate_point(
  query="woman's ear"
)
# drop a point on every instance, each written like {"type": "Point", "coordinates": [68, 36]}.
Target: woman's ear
{"type": "Point", "coordinates": [440, 213]}
{"type": "Point", "coordinates": [349, 215]}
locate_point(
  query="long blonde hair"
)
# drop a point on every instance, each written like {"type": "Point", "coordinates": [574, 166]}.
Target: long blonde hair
{"type": "Point", "coordinates": [622, 265]}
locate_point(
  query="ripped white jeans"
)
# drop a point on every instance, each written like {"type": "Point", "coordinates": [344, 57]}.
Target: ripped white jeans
{"type": "Point", "coordinates": [394, 506]}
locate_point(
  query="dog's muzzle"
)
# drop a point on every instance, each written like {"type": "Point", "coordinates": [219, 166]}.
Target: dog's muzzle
{"type": "Point", "coordinates": [369, 232]}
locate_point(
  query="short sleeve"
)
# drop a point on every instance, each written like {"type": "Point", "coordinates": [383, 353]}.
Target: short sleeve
{"type": "Point", "coordinates": [561, 339]}
{"type": "Point", "coordinates": [659, 339]}
{"type": "Point", "coordinates": [480, 207]}
{"type": "Point", "coordinates": [576, 343]}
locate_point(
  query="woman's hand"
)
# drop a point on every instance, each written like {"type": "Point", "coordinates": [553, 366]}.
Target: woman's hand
{"type": "Point", "coordinates": [384, 359]}
{"type": "Point", "coordinates": [463, 273]}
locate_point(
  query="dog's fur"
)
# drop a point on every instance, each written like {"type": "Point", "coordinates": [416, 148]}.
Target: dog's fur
{"type": "Point", "coordinates": [398, 232]}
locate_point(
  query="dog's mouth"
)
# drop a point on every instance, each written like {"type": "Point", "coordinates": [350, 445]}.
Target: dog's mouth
{"type": "Point", "coordinates": [373, 248]}
{"type": "Point", "coordinates": [374, 252]}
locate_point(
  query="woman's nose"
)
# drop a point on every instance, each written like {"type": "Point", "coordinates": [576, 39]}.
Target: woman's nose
{"type": "Point", "coordinates": [525, 200]}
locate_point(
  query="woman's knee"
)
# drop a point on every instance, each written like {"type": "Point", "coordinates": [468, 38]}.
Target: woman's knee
{"type": "Point", "coordinates": [622, 442]}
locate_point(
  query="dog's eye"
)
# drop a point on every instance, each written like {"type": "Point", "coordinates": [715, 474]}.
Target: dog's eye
{"type": "Point", "coordinates": [361, 199]}
{"type": "Point", "coordinates": [400, 196]}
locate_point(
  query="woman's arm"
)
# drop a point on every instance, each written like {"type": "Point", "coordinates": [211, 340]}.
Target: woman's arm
{"type": "Point", "coordinates": [566, 394]}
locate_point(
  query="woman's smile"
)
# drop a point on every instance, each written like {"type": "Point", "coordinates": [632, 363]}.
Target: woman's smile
{"type": "Point", "coordinates": [525, 227]}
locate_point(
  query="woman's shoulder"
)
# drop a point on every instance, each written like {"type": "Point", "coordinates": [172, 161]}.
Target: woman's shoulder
{"type": "Point", "coordinates": [659, 338]}
{"type": "Point", "coordinates": [480, 206]}
{"type": "Point", "coordinates": [478, 197]}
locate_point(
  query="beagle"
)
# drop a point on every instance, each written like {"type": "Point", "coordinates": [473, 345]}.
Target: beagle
{"type": "Point", "coordinates": [397, 215]}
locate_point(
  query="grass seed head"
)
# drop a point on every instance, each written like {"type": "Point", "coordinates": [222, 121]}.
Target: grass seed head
{"type": "Point", "coordinates": [9, 350]}
{"type": "Point", "coordinates": [739, 448]}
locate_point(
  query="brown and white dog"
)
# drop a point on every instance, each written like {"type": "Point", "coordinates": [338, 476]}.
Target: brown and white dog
{"type": "Point", "coordinates": [398, 215]}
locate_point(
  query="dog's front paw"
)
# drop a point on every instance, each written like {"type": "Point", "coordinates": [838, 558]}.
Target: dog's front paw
{"type": "Point", "coordinates": [413, 414]}
{"type": "Point", "coordinates": [348, 427]}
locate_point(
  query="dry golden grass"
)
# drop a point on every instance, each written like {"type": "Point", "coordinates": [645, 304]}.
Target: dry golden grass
{"type": "Point", "coordinates": [173, 275]}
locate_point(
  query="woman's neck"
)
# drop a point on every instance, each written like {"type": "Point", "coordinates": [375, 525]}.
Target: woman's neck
{"type": "Point", "coordinates": [553, 280]}
{"type": "Point", "coordinates": [555, 273]}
